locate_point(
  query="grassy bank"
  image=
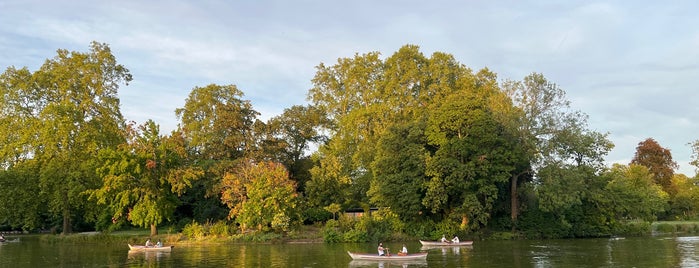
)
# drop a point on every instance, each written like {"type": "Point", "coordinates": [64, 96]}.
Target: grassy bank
{"type": "Point", "coordinates": [305, 234]}
{"type": "Point", "coordinates": [675, 227]}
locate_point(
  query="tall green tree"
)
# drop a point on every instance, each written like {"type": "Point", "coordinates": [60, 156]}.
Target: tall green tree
{"type": "Point", "coordinates": [220, 129]}
{"type": "Point", "coordinates": [475, 154]}
{"type": "Point", "coordinates": [143, 178]}
{"type": "Point", "coordinates": [365, 96]}
{"type": "Point", "coordinates": [658, 160]}
{"type": "Point", "coordinates": [548, 131]}
{"type": "Point", "coordinates": [62, 115]}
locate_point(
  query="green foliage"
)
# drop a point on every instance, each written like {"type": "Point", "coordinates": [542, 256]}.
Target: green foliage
{"type": "Point", "coordinates": [315, 215]}
{"type": "Point", "coordinates": [632, 228]}
{"type": "Point", "coordinates": [143, 178]}
{"type": "Point", "coordinates": [421, 229]}
{"type": "Point", "coordinates": [355, 236]}
{"type": "Point", "coordinates": [446, 228]}
{"type": "Point", "coordinates": [634, 193]}
{"type": "Point", "coordinates": [194, 230]}
{"type": "Point", "coordinates": [399, 171]}
{"type": "Point", "coordinates": [330, 232]}
{"type": "Point", "coordinates": [61, 116]}
{"type": "Point", "coordinates": [537, 224]}
{"type": "Point", "coordinates": [260, 195]}
{"type": "Point", "coordinates": [473, 158]}
{"type": "Point", "coordinates": [665, 228]}
{"type": "Point", "coordinates": [217, 122]}
{"type": "Point", "coordinates": [22, 208]}
{"type": "Point", "coordinates": [280, 222]}
{"type": "Point", "coordinates": [333, 208]}
{"type": "Point", "coordinates": [219, 229]}
{"type": "Point", "coordinates": [502, 236]}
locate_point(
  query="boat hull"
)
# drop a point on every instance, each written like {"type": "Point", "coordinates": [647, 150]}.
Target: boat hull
{"type": "Point", "coordinates": [445, 244]}
{"type": "Point", "coordinates": [376, 257]}
{"type": "Point", "coordinates": [150, 249]}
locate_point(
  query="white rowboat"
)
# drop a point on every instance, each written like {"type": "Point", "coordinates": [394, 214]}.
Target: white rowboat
{"type": "Point", "coordinates": [151, 249]}
{"type": "Point", "coordinates": [446, 244]}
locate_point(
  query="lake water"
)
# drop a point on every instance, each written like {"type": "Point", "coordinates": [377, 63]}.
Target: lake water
{"type": "Point", "coordinates": [630, 252]}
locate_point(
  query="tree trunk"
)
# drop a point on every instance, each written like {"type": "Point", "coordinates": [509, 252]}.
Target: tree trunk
{"type": "Point", "coordinates": [514, 210]}
{"type": "Point", "coordinates": [66, 215]}
{"type": "Point", "coordinates": [153, 230]}
{"type": "Point", "coordinates": [66, 222]}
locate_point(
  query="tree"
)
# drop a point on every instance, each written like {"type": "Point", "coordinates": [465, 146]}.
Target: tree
{"type": "Point", "coordinates": [292, 134]}
{"type": "Point", "coordinates": [474, 155]}
{"type": "Point", "coordinates": [143, 178]}
{"type": "Point", "coordinates": [547, 131]}
{"type": "Point", "coordinates": [19, 205]}
{"type": "Point", "coordinates": [659, 162]}
{"type": "Point", "coordinates": [633, 194]}
{"type": "Point", "coordinates": [260, 195]}
{"type": "Point", "coordinates": [365, 96]}
{"type": "Point", "coordinates": [218, 123]}
{"type": "Point", "coordinates": [399, 171]}
{"type": "Point", "coordinates": [220, 129]}
{"type": "Point", "coordinates": [685, 203]}
{"type": "Point", "coordinates": [62, 115]}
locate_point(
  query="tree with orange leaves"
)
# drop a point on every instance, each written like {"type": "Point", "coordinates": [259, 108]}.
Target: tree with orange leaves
{"type": "Point", "coordinates": [659, 162]}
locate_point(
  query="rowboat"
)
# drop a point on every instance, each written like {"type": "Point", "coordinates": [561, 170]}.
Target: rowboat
{"type": "Point", "coordinates": [440, 243]}
{"type": "Point", "coordinates": [150, 249]}
{"type": "Point", "coordinates": [376, 257]}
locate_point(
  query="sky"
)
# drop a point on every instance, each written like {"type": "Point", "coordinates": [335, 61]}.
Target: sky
{"type": "Point", "coordinates": [631, 66]}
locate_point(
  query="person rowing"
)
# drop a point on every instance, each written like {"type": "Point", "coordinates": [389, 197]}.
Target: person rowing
{"type": "Point", "coordinates": [382, 251]}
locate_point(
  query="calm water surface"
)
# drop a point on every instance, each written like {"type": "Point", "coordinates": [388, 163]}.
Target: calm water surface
{"type": "Point", "coordinates": [629, 252]}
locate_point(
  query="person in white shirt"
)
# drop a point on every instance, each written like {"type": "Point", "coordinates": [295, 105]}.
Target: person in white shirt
{"type": "Point", "coordinates": [381, 250]}
{"type": "Point", "coordinates": [403, 251]}
{"type": "Point", "coordinates": [455, 239]}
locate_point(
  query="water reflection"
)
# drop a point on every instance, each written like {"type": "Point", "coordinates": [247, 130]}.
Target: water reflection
{"type": "Point", "coordinates": [147, 259]}
{"type": "Point", "coordinates": [386, 264]}
{"type": "Point", "coordinates": [687, 250]}
{"type": "Point", "coordinates": [456, 250]}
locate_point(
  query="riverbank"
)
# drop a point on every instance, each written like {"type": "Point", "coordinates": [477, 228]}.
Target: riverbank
{"type": "Point", "coordinates": [304, 235]}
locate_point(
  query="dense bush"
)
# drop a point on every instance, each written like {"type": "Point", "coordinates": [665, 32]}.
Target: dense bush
{"type": "Point", "coordinates": [331, 233]}
{"type": "Point", "coordinates": [194, 230]}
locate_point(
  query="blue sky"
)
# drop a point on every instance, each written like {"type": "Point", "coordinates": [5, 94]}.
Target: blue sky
{"type": "Point", "coordinates": [630, 65]}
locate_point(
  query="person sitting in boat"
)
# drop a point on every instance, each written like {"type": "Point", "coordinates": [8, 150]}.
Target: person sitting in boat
{"type": "Point", "coordinates": [382, 250]}
{"type": "Point", "coordinates": [444, 239]}
{"type": "Point", "coordinates": [159, 244]}
{"type": "Point", "coordinates": [403, 251]}
{"type": "Point", "coordinates": [149, 243]}
{"type": "Point", "coordinates": [455, 239]}
{"type": "Point", "coordinates": [2, 238]}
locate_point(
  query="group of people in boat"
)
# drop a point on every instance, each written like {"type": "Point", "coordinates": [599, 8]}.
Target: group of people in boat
{"type": "Point", "coordinates": [150, 244]}
{"type": "Point", "coordinates": [384, 251]}
{"type": "Point", "coordinates": [453, 240]}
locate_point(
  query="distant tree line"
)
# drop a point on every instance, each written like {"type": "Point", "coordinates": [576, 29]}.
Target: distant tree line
{"type": "Point", "coordinates": [437, 147]}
